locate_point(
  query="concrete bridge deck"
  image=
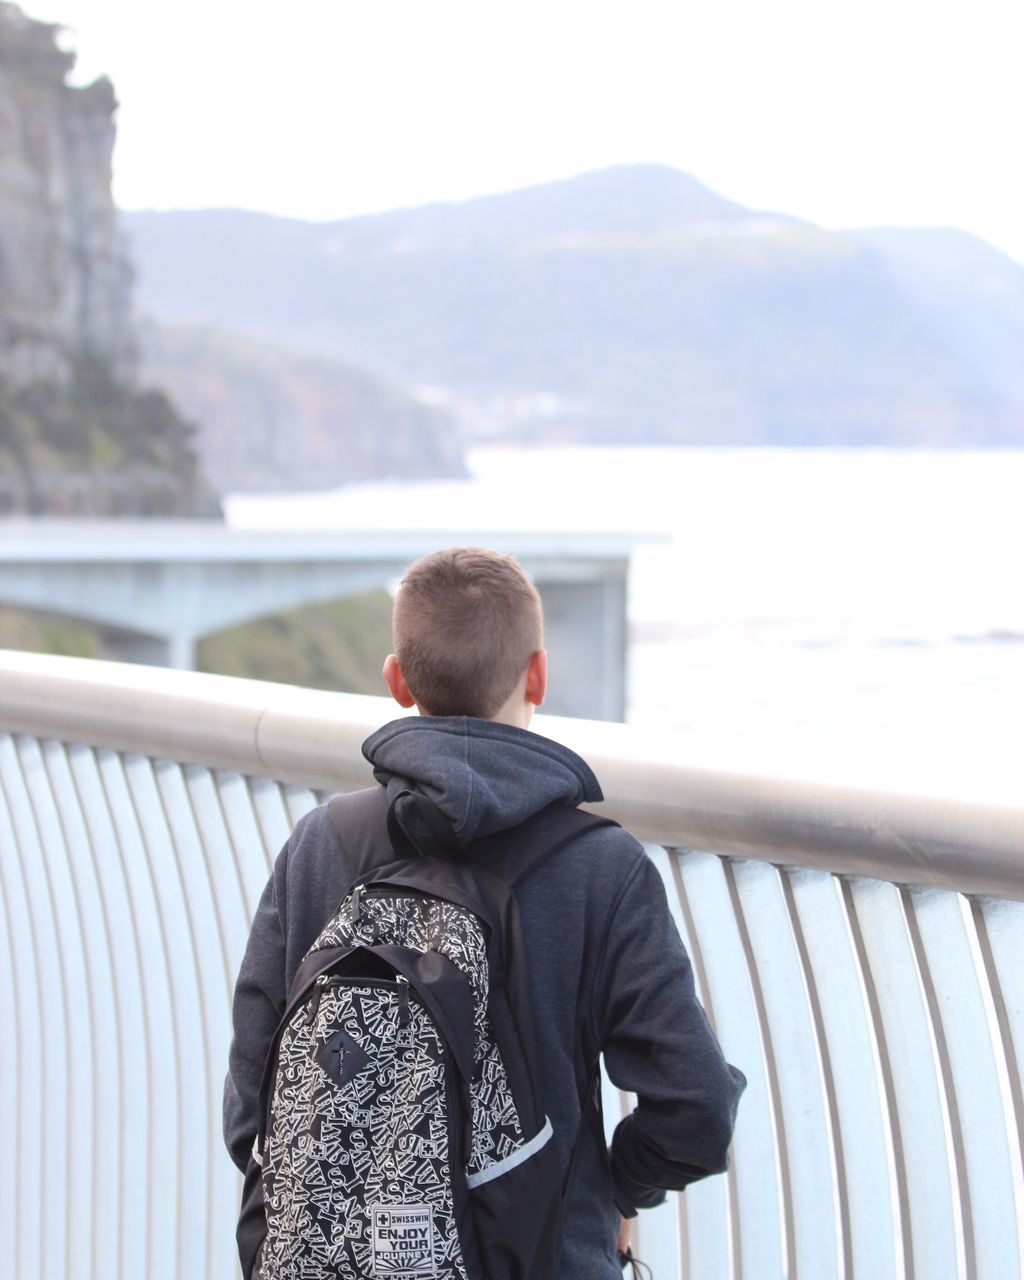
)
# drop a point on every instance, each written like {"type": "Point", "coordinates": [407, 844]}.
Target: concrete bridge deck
{"type": "Point", "coordinates": [157, 587]}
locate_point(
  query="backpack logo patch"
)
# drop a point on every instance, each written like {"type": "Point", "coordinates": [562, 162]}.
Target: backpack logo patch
{"type": "Point", "coordinates": [341, 1058]}
{"type": "Point", "coordinates": [403, 1240]}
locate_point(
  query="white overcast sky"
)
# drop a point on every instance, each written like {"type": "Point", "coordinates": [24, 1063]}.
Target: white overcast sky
{"type": "Point", "coordinates": [864, 112]}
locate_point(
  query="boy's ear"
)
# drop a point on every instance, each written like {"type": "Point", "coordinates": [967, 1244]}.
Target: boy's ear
{"type": "Point", "coordinates": [537, 678]}
{"type": "Point", "coordinates": [395, 682]}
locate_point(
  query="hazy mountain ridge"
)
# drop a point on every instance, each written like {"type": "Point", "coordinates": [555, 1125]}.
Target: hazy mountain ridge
{"type": "Point", "coordinates": [646, 306]}
{"type": "Point", "coordinates": [972, 292]}
{"type": "Point", "coordinates": [270, 418]}
{"type": "Point", "coordinates": [624, 200]}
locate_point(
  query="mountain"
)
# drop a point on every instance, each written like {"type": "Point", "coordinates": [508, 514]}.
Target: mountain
{"type": "Point", "coordinates": [971, 292]}
{"type": "Point", "coordinates": [630, 304]}
{"type": "Point", "coordinates": [274, 419]}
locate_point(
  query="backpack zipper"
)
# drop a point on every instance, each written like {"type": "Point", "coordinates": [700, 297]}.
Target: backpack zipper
{"type": "Point", "coordinates": [361, 891]}
{"type": "Point", "coordinates": [338, 979]}
{"type": "Point", "coordinates": [403, 1001]}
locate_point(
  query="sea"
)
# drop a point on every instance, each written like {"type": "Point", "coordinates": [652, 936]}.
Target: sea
{"type": "Point", "coordinates": [849, 615]}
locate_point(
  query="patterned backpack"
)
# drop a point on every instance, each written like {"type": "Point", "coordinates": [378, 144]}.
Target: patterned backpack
{"type": "Point", "coordinates": [403, 1132]}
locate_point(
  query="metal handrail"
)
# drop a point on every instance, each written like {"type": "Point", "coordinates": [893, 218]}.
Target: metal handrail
{"type": "Point", "coordinates": [313, 738]}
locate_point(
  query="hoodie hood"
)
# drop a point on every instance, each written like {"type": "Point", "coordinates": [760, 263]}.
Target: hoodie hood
{"type": "Point", "coordinates": [482, 776]}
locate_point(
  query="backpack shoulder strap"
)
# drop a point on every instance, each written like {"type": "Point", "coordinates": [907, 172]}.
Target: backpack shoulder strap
{"type": "Point", "coordinates": [359, 820]}
{"type": "Point", "coordinates": [511, 855]}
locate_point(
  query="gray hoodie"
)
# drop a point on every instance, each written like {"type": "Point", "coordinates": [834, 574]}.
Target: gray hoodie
{"type": "Point", "coordinates": [608, 971]}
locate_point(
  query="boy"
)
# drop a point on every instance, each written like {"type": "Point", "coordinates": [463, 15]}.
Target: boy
{"type": "Point", "coordinates": [607, 969]}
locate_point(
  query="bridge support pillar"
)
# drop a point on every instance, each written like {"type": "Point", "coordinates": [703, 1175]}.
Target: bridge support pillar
{"type": "Point", "coordinates": [585, 634]}
{"type": "Point", "coordinates": [181, 651]}
{"type": "Point", "coordinates": [178, 650]}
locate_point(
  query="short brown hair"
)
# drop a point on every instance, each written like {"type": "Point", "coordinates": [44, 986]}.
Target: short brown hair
{"type": "Point", "coordinates": [466, 623]}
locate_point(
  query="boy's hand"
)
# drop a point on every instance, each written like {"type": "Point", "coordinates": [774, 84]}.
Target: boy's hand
{"type": "Point", "coordinates": [624, 1232]}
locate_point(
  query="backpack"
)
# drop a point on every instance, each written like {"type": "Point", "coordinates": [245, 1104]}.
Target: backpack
{"type": "Point", "coordinates": [403, 1134]}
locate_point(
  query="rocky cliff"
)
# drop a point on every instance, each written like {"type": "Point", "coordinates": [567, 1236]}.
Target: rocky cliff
{"type": "Point", "coordinates": [65, 278]}
{"type": "Point", "coordinates": [270, 418]}
{"type": "Point", "coordinates": [77, 435]}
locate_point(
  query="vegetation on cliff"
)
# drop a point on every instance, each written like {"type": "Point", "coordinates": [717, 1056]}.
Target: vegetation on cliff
{"type": "Point", "coordinates": [92, 446]}
{"type": "Point", "coordinates": [34, 632]}
{"type": "Point", "coordinates": [337, 645]}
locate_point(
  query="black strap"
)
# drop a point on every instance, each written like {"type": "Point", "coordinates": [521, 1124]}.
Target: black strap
{"type": "Point", "coordinates": [359, 819]}
{"type": "Point", "coordinates": [365, 823]}
{"type": "Point", "coordinates": [313, 964]}
{"type": "Point", "coordinates": [592, 1106]}
{"type": "Point", "coordinates": [511, 855]}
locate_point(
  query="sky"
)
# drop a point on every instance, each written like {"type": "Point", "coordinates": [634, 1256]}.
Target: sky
{"type": "Point", "coordinates": [879, 112]}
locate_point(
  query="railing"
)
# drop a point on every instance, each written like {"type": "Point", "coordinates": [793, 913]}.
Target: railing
{"type": "Point", "coordinates": [860, 955]}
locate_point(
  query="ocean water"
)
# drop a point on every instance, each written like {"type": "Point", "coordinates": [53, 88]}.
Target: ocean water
{"type": "Point", "coordinates": [852, 614]}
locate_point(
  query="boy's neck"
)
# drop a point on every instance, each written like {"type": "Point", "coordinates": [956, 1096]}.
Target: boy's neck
{"type": "Point", "coordinates": [520, 714]}
{"type": "Point", "coordinates": [517, 714]}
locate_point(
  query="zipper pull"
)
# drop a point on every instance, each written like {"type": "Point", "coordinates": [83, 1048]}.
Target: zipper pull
{"type": "Point", "coordinates": [404, 1014]}
{"type": "Point", "coordinates": [314, 1004]}
{"type": "Point", "coordinates": [353, 914]}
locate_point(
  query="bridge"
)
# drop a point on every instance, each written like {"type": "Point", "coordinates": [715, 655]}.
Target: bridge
{"type": "Point", "coordinates": [157, 587]}
{"type": "Point", "coordinates": [859, 954]}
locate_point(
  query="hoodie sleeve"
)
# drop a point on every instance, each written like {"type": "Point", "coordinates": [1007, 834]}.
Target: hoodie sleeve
{"type": "Point", "coordinates": [258, 1004]}
{"type": "Point", "coordinates": [657, 1043]}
